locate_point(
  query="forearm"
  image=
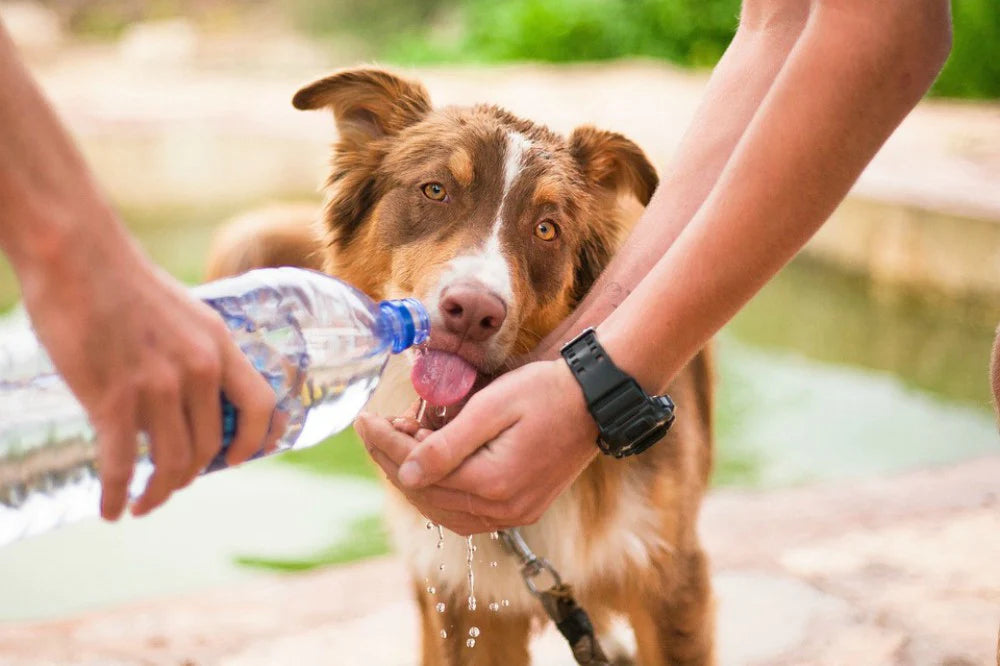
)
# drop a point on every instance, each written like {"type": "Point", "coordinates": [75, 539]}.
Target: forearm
{"type": "Point", "coordinates": [853, 75]}
{"type": "Point", "coordinates": [45, 186]}
{"type": "Point", "coordinates": [738, 84]}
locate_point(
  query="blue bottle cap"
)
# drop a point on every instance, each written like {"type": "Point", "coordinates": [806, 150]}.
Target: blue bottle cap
{"type": "Point", "coordinates": [406, 322]}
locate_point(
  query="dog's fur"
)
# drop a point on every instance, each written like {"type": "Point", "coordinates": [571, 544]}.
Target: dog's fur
{"type": "Point", "coordinates": [624, 533]}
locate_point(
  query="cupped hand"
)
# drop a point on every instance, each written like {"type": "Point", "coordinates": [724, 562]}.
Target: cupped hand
{"type": "Point", "coordinates": [142, 355]}
{"type": "Point", "coordinates": [501, 462]}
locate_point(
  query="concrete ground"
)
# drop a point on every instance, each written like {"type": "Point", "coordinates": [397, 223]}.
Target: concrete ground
{"type": "Point", "coordinates": [901, 571]}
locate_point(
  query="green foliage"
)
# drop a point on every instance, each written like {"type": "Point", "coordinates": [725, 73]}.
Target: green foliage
{"type": "Point", "coordinates": [689, 32]}
{"type": "Point", "coordinates": [973, 69]}
{"type": "Point", "coordinates": [367, 539]}
{"type": "Point", "coordinates": [341, 455]}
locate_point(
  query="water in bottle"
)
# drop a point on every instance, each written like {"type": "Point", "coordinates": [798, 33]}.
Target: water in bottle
{"type": "Point", "coordinates": [321, 344]}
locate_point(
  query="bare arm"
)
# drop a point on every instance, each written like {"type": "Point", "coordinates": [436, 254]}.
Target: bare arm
{"type": "Point", "coordinates": [137, 351]}
{"type": "Point", "coordinates": [854, 74]}
{"type": "Point", "coordinates": [768, 30]}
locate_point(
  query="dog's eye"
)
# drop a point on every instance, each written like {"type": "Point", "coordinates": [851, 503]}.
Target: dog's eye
{"type": "Point", "coordinates": [435, 191]}
{"type": "Point", "coordinates": [546, 230]}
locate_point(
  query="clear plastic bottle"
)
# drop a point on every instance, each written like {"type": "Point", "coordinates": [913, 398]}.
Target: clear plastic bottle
{"type": "Point", "coordinates": [320, 343]}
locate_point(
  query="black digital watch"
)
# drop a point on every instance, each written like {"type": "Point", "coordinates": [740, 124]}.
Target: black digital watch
{"type": "Point", "coordinates": [628, 419]}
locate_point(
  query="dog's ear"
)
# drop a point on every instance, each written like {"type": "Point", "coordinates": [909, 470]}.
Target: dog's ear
{"type": "Point", "coordinates": [613, 163]}
{"type": "Point", "coordinates": [366, 103]}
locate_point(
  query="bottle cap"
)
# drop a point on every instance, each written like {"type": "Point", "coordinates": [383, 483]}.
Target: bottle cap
{"type": "Point", "coordinates": [407, 322]}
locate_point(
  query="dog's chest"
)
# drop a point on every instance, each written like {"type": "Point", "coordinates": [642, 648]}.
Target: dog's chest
{"type": "Point", "coordinates": [564, 535]}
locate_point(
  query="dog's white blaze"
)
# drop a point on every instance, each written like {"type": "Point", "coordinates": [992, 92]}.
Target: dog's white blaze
{"type": "Point", "coordinates": [488, 266]}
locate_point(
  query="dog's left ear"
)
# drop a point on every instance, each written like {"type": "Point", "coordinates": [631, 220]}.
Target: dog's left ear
{"type": "Point", "coordinates": [613, 163]}
{"type": "Point", "coordinates": [367, 103]}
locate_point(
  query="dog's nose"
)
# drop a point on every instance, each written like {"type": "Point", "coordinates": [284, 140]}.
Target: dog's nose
{"type": "Point", "coordinates": [472, 312]}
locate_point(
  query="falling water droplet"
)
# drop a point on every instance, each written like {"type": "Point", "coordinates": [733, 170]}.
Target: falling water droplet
{"type": "Point", "coordinates": [470, 550]}
{"type": "Point", "coordinates": [441, 567]}
{"type": "Point", "coordinates": [494, 606]}
{"type": "Point", "coordinates": [474, 632]}
{"type": "Point", "coordinates": [442, 412]}
{"type": "Point", "coordinates": [440, 607]}
{"type": "Point", "coordinates": [431, 589]}
{"type": "Point", "coordinates": [444, 634]}
{"type": "Point", "coordinates": [505, 603]}
{"type": "Point", "coordinates": [494, 535]}
{"type": "Point", "coordinates": [471, 642]}
{"type": "Point", "coordinates": [421, 410]}
{"type": "Point", "coordinates": [429, 525]}
{"type": "Point", "coordinates": [494, 564]}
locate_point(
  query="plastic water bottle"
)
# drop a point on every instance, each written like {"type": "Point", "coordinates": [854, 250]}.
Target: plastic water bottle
{"type": "Point", "coordinates": [321, 344]}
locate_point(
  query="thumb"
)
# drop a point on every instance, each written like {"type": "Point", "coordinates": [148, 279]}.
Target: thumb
{"type": "Point", "coordinates": [442, 451]}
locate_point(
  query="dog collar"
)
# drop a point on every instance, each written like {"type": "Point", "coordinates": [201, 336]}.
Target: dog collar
{"type": "Point", "coordinates": [628, 419]}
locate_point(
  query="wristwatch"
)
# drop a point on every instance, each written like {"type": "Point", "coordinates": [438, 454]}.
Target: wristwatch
{"type": "Point", "coordinates": [629, 421]}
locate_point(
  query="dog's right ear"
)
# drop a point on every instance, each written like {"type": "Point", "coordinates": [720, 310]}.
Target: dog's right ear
{"type": "Point", "coordinates": [366, 103]}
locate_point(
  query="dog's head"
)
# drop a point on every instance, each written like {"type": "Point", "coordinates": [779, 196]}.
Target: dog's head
{"type": "Point", "coordinates": [498, 225]}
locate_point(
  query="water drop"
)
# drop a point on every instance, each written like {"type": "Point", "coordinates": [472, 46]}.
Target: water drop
{"type": "Point", "coordinates": [444, 634]}
{"type": "Point", "coordinates": [441, 567]}
{"type": "Point", "coordinates": [442, 412]}
{"type": "Point", "coordinates": [494, 606]}
{"type": "Point", "coordinates": [505, 603]}
{"type": "Point", "coordinates": [474, 632]}
{"type": "Point", "coordinates": [494, 564]}
{"type": "Point", "coordinates": [440, 607]}
{"type": "Point", "coordinates": [494, 535]}
{"type": "Point", "coordinates": [420, 412]}
{"type": "Point", "coordinates": [470, 549]}
{"type": "Point", "coordinates": [429, 525]}
{"type": "Point", "coordinates": [431, 589]}
{"type": "Point", "coordinates": [440, 545]}
{"type": "Point", "coordinates": [471, 642]}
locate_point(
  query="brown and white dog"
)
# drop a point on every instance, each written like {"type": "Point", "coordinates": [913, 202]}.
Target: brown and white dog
{"type": "Point", "coordinates": [500, 227]}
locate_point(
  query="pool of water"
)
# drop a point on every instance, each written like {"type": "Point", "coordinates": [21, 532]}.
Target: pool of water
{"type": "Point", "coordinates": [821, 377]}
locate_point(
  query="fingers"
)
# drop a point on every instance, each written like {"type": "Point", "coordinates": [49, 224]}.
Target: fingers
{"type": "Point", "coordinates": [458, 521]}
{"type": "Point", "coordinates": [115, 458]}
{"type": "Point", "coordinates": [170, 445]}
{"type": "Point", "coordinates": [406, 424]}
{"type": "Point", "coordinates": [254, 401]}
{"type": "Point", "coordinates": [204, 416]}
{"type": "Point", "coordinates": [442, 451]}
{"type": "Point", "coordinates": [378, 434]}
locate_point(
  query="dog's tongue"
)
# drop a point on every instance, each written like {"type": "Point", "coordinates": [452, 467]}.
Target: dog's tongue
{"type": "Point", "coordinates": [441, 378]}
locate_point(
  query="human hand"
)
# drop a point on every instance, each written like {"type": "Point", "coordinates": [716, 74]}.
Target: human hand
{"type": "Point", "coordinates": [142, 355]}
{"type": "Point", "coordinates": [501, 462]}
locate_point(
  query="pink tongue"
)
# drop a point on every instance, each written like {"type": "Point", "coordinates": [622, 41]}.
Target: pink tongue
{"type": "Point", "coordinates": [441, 378]}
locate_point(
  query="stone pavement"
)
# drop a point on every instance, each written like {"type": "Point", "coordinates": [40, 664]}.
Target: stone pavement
{"type": "Point", "coordinates": [901, 571]}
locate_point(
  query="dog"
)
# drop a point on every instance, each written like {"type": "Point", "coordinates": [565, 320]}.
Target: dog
{"type": "Point", "coordinates": [500, 227]}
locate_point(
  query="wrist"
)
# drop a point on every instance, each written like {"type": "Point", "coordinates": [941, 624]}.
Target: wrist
{"type": "Point", "coordinates": [576, 402]}
{"type": "Point", "coordinates": [629, 420]}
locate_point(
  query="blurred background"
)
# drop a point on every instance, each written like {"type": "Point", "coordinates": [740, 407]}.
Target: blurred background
{"type": "Point", "coordinates": [865, 359]}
